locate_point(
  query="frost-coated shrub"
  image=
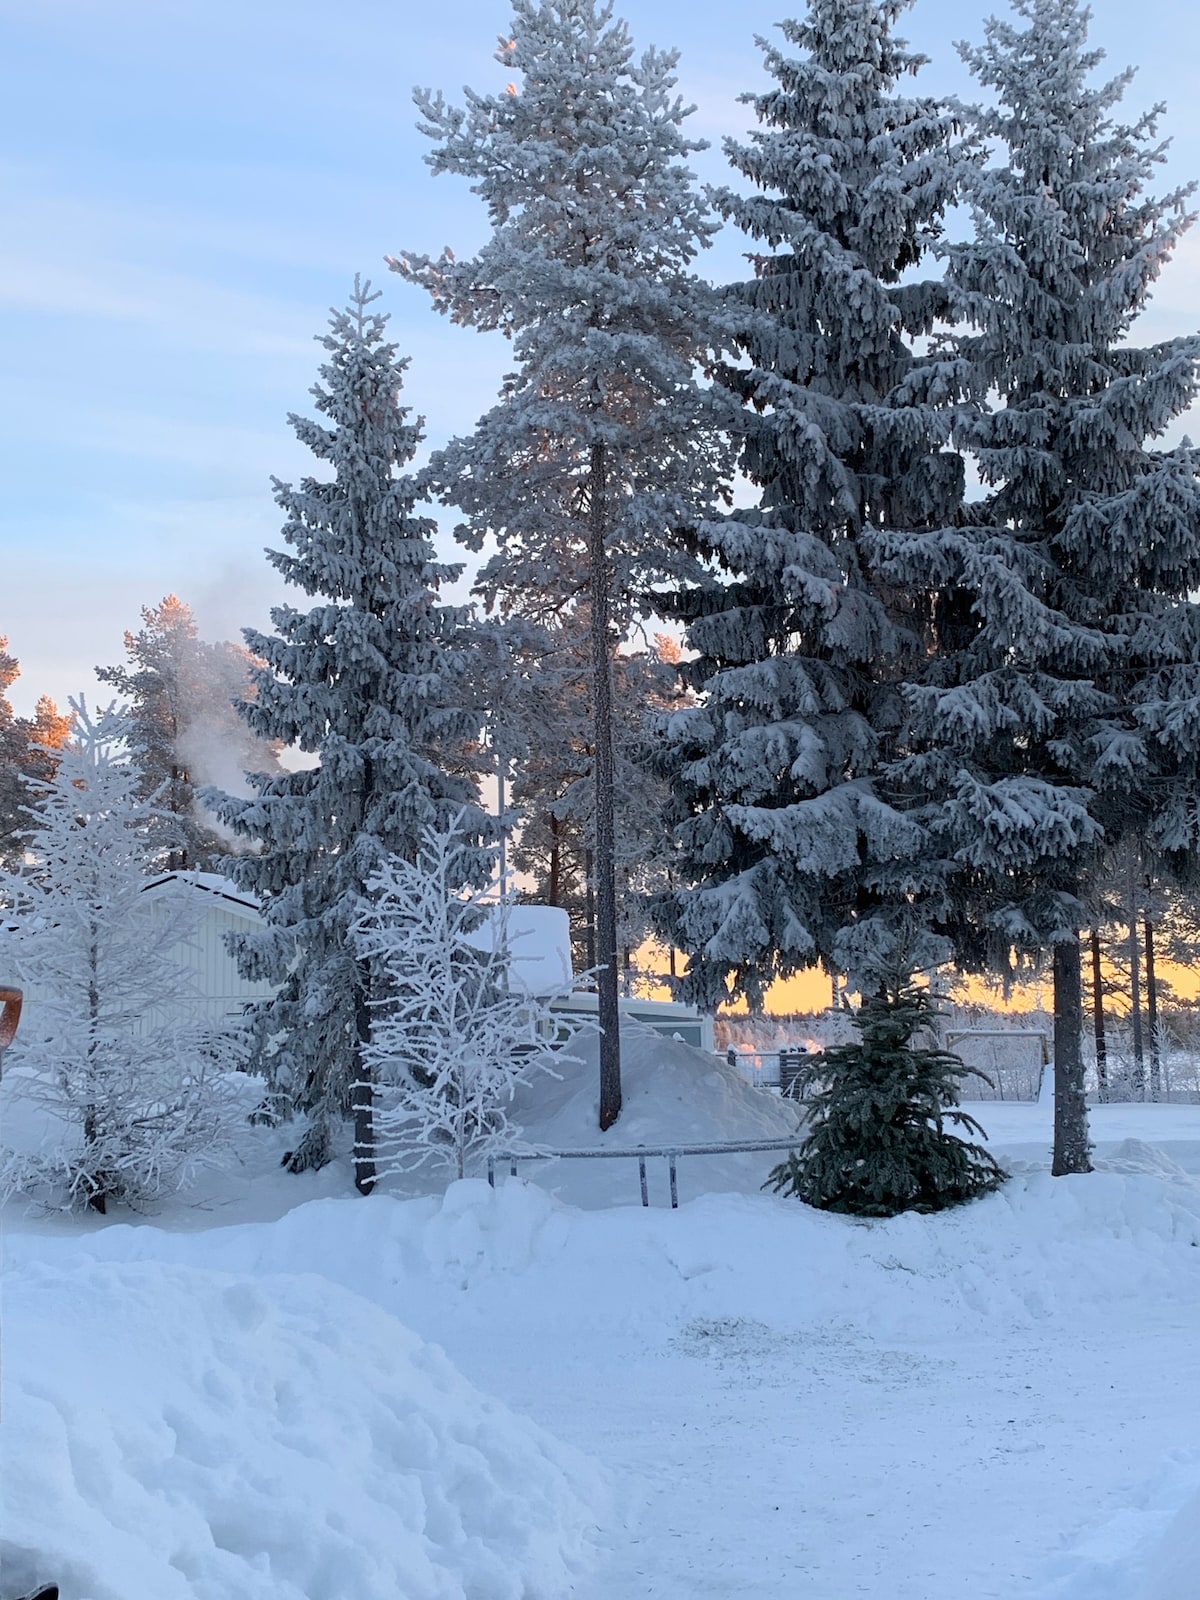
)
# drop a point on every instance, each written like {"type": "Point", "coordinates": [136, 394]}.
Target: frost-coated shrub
{"type": "Point", "coordinates": [131, 1090]}
{"type": "Point", "coordinates": [452, 1031]}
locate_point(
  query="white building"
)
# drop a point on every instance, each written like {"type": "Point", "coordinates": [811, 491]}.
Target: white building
{"type": "Point", "coordinates": [208, 971]}
{"type": "Point", "coordinates": [212, 988]}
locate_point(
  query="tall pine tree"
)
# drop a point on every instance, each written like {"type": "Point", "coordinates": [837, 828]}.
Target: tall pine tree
{"type": "Point", "coordinates": [184, 730]}
{"type": "Point", "coordinates": [1060, 710]}
{"type": "Point", "coordinates": [27, 746]}
{"type": "Point", "coordinates": [369, 681]}
{"type": "Point", "coordinates": [792, 852]}
{"type": "Point", "coordinates": [603, 444]}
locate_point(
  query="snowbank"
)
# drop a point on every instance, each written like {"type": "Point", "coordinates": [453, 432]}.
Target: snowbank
{"type": "Point", "coordinates": [672, 1094]}
{"type": "Point", "coordinates": [180, 1433]}
{"type": "Point", "coordinates": [1148, 1550]}
{"type": "Point", "coordinates": [1173, 1569]}
{"type": "Point", "coordinates": [1025, 1364]}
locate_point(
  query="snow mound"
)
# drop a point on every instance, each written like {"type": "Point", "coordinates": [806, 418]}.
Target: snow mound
{"type": "Point", "coordinates": [1175, 1562]}
{"type": "Point", "coordinates": [672, 1094]}
{"type": "Point", "coordinates": [1135, 1155]}
{"type": "Point", "coordinates": [1148, 1549]}
{"type": "Point", "coordinates": [180, 1433]}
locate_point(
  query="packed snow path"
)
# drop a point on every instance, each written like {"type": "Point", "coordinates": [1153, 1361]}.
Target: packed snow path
{"type": "Point", "coordinates": [1003, 1400]}
{"type": "Point", "coordinates": [998, 1401]}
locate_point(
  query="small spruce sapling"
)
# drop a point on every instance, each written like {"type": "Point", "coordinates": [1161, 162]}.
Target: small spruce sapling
{"type": "Point", "coordinates": [878, 1114]}
{"type": "Point", "coordinates": [452, 1032]}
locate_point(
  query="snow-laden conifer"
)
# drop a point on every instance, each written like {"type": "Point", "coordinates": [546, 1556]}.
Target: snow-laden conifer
{"type": "Point", "coordinates": [1061, 710]}
{"type": "Point", "coordinates": [884, 1127]}
{"type": "Point", "coordinates": [792, 851]}
{"type": "Point", "coordinates": [370, 682]}
{"type": "Point", "coordinates": [27, 750]}
{"type": "Point", "coordinates": [183, 726]}
{"type": "Point", "coordinates": [604, 445]}
{"type": "Point", "coordinates": [453, 1033]}
{"type": "Point", "coordinates": [111, 1046]}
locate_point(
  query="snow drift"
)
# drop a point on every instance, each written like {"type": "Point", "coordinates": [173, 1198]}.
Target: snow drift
{"type": "Point", "coordinates": [179, 1433]}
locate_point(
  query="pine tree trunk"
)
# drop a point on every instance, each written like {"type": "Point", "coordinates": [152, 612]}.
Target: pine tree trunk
{"type": "Point", "coordinates": [1152, 1016]}
{"type": "Point", "coordinates": [1072, 1152]}
{"type": "Point", "coordinates": [1135, 990]}
{"type": "Point", "coordinates": [1098, 1018]}
{"type": "Point", "coordinates": [555, 860]}
{"type": "Point", "coordinates": [501, 766]}
{"type": "Point", "coordinates": [98, 1196]}
{"type": "Point", "coordinates": [589, 909]}
{"type": "Point", "coordinates": [605, 843]}
{"type": "Point", "coordinates": [363, 1098]}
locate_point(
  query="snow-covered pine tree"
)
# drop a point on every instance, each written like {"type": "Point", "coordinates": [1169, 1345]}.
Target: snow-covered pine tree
{"type": "Point", "coordinates": [604, 444]}
{"type": "Point", "coordinates": [792, 852]}
{"type": "Point", "coordinates": [877, 1140]}
{"type": "Point", "coordinates": [1061, 707]}
{"type": "Point", "coordinates": [129, 1078]}
{"type": "Point", "coordinates": [452, 1034]}
{"type": "Point", "coordinates": [184, 730]}
{"type": "Point", "coordinates": [27, 746]}
{"type": "Point", "coordinates": [12, 749]}
{"type": "Point", "coordinates": [370, 681]}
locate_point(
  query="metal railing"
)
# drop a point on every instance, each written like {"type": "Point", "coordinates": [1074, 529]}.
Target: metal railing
{"type": "Point", "coordinates": [768, 1069]}
{"type": "Point", "coordinates": [641, 1153]}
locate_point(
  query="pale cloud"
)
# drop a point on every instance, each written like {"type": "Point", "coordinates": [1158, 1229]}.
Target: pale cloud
{"type": "Point", "coordinates": [41, 275]}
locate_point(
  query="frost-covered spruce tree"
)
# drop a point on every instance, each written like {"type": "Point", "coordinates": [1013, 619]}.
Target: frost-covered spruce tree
{"type": "Point", "coordinates": [112, 1048]}
{"type": "Point", "coordinates": [27, 750]}
{"type": "Point", "coordinates": [183, 726]}
{"type": "Point", "coordinates": [604, 444]}
{"type": "Point", "coordinates": [792, 853]}
{"type": "Point", "coordinates": [882, 1114]}
{"type": "Point", "coordinates": [1061, 708]}
{"type": "Point", "coordinates": [370, 681]}
{"type": "Point", "coordinates": [453, 1034]}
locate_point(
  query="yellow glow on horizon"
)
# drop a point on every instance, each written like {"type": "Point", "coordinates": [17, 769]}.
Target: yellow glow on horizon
{"type": "Point", "coordinates": [811, 991]}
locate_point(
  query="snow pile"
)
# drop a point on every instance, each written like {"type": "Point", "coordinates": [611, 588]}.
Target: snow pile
{"type": "Point", "coordinates": [1147, 1551]}
{"type": "Point", "coordinates": [274, 1435]}
{"type": "Point", "coordinates": [184, 1434]}
{"type": "Point", "coordinates": [1173, 1570]}
{"type": "Point", "coordinates": [672, 1094]}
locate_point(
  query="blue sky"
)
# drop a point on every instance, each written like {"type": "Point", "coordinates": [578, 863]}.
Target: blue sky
{"type": "Point", "coordinates": [188, 185]}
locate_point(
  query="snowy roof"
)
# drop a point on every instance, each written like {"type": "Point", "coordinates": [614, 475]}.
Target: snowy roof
{"type": "Point", "coordinates": [539, 941]}
{"type": "Point", "coordinates": [212, 883]}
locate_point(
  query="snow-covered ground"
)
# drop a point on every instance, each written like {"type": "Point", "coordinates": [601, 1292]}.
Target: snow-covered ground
{"type": "Point", "coordinates": [740, 1398]}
